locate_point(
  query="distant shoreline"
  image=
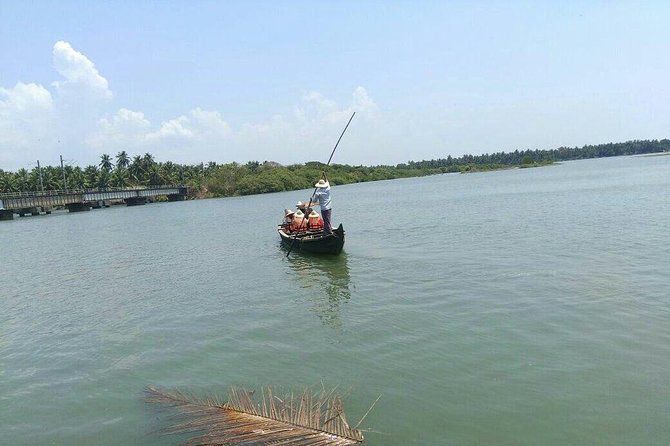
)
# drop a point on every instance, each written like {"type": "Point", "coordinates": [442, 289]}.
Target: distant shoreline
{"type": "Point", "coordinates": [657, 154]}
{"type": "Point", "coordinates": [234, 179]}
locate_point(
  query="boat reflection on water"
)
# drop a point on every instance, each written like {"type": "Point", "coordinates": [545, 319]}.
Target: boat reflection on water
{"type": "Point", "coordinates": [327, 279]}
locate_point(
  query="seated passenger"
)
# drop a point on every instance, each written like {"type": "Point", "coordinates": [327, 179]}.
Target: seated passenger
{"type": "Point", "coordinates": [315, 221]}
{"type": "Point", "coordinates": [302, 206]}
{"type": "Point", "coordinates": [299, 221]}
{"type": "Point", "coordinates": [287, 224]}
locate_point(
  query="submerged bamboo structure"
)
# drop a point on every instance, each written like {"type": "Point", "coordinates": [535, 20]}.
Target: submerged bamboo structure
{"type": "Point", "coordinates": [305, 419]}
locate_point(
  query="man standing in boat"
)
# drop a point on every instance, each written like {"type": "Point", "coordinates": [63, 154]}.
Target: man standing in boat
{"type": "Point", "coordinates": [322, 196]}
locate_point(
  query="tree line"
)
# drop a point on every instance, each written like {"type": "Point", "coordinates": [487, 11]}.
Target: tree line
{"type": "Point", "coordinates": [521, 157]}
{"type": "Point", "coordinates": [230, 179]}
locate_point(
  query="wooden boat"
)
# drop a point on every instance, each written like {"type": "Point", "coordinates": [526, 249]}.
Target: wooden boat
{"type": "Point", "coordinates": [313, 241]}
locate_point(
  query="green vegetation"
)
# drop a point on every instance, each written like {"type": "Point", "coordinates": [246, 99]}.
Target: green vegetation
{"type": "Point", "coordinates": [518, 158]}
{"type": "Point", "coordinates": [222, 180]}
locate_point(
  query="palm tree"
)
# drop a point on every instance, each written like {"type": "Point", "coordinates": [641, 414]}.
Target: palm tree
{"type": "Point", "coordinates": [77, 179]}
{"type": "Point", "coordinates": [136, 170]}
{"type": "Point", "coordinates": [22, 180]}
{"type": "Point", "coordinates": [104, 178]}
{"type": "Point", "coordinates": [106, 162]}
{"type": "Point", "coordinates": [210, 167]}
{"type": "Point", "coordinates": [122, 160]}
{"type": "Point", "coordinates": [170, 172]}
{"type": "Point", "coordinates": [91, 176]}
{"type": "Point", "coordinates": [8, 182]}
{"type": "Point", "coordinates": [154, 176]}
{"type": "Point", "coordinates": [35, 178]}
{"type": "Point", "coordinates": [120, 177]}
{"type": "Point", "coordinates": [50, 176]}
{"type": "Point", "coordinates": [148, 161]}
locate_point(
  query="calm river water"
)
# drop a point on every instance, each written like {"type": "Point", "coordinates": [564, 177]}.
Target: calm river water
{"type": "Point", "coordinates": [519, 307]}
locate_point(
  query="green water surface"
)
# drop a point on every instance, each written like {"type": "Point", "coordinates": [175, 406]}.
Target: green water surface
{"type": "Point", "coordinates": [519, 307]}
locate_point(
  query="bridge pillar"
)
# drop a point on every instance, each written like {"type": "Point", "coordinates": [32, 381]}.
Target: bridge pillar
{"type": "Point", "coordinates": [6, 214]}
{"type": "Point", "coordinates": [98, 204]}
{"type": "Point", "coordinates": [78, 207]}
{"type": "Point", "coordinates": [136, 201]}
{"type": "Point", "coordinates": [35, 210]}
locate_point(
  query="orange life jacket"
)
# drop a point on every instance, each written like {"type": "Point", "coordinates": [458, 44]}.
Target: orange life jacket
{"type": "Point", "coordinates": [315, 221]}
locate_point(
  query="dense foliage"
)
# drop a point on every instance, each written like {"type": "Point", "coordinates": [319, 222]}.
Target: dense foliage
{"type": "Point", "coordinates": [230, 179]}
{"type": "Point", "coordinates": [517, 157]}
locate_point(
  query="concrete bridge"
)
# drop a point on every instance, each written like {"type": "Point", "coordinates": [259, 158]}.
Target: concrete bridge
{"type": "Point", "coordinates": [34, 203]}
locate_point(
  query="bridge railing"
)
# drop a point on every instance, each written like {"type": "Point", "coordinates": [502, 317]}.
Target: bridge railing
{"type": "Point", "coordinates": [51, 193]}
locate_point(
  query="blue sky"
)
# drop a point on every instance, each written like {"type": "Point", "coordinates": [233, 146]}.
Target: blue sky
{"type": "Point", "coordinates": [237, 81]}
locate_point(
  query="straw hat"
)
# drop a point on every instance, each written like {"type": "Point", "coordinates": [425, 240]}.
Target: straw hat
{"type": "Point", "coordinates": [299, 204]}
{"type": "Point", "coordinates": [322, 183]}
{"type": "Point", "coordinates": [313, 214]}
{"type": "Point", "coordinates": [288, 212]}
{"type": "Point", "coordinates": [299, 214]}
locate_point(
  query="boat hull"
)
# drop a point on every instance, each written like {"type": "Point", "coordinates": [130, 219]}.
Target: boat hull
{"type": "Point", "coordinates": [314, 242]}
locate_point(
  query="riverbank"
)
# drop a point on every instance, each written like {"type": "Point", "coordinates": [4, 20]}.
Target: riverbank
{"type": "Point", "coordinates": [234, 179]}
{"type": "Point", "coordinates": [276, 180]}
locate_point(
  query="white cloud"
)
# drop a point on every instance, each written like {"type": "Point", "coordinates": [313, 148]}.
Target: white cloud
{"type": "Point", "coordinates": [210, 123]}
{"type": "Point", "coordinates": [318, 103]}
{"type": "Point", "coordinates": [183, 138]}
{"type": "Point", "coordinates": [311, 130]}
{"type": "Point", "coordinates": [43, 122]}
{"type": "Point", "coordinates": [203, 135]}
{"type": "Point", "coordinates": [26, 114]}
{"type": "Point", "coordinates": [174, 128]}
{"type": "Point", "coordinates": [198, 125]}
{"type": "Point", "coordinates": [125, 118]}
{"type": "Point", "coordinates": [79, 72]}
{"type": "Point", "coordinates": [72, 117]}
{"type": "Point", "coordinates": [363, 103]}
{"type": "Point", "coordinates": [124, 129]}
{"type": "Point", "coordinates": [24, 98]}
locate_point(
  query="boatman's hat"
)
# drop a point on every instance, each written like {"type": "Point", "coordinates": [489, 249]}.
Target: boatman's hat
{"type": "Point", "coordinates": [321, 183]}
